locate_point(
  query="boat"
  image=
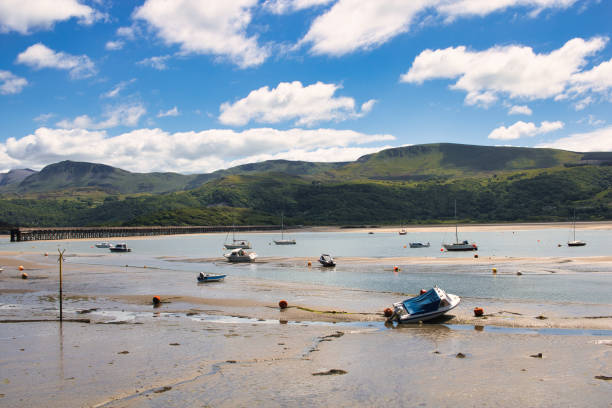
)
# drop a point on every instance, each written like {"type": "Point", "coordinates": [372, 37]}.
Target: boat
{"type": "Point", "coordinates": [240, 255]}
{"type": "Point", "coordinates": [210, 277]}
{"type": "Point", "coordinates": [326, 260]}
{"type": "Point", "coordinates": [575, 242]}
{"type": "Point", "coordinates": [459, 246]}
{"type": "Point", "coordinates": [236, 243]}
{"type": "Point", "coordinates": [429, 305]}
{"type": "Point", "coordinates": [418, 245]}
{"type": "Point", "coordinates": [283, 241]}
{"type": "Point", "coordinates": [120, 248]}
{"type": "Point", "coordinates": [103, 245]}
{"type": "Point", "coordinates": [403, 231]}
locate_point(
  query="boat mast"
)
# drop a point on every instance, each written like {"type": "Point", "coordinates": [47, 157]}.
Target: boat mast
{"type": "Point", "coordinates": [456, 235]}
{"type": "Point", "coordinates": [574, 224]}
{"type": "Point", "coordinates": [282, 226]}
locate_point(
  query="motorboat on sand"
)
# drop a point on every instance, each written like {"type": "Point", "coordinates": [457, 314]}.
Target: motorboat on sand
{"type": "Point", "coordinates": [327, 260]}
{"type": "Point", "coordinates": [431, 304]}
{"type": "Point", "coordinates": [240, 255]}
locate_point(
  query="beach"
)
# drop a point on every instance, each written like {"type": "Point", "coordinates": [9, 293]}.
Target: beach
{"type": "Point", "coordinates": [229, 344]}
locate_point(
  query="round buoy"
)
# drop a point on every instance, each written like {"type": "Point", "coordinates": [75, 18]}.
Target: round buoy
{"type": "Point", "coordinates": [404, 246]}
{"type": "Point", "coordinates": [156, 300]}
{"type": "Point", "coordinates": [282, 304]}
{"type": "Point", "coordinates": [144, 266]}
{"type": "Point", "coordinates": [396, 269]}
{"type": "Point", "coordinates": [494, 270]}
{"type": "Point", "coordinates": [441, 249]}
{"type": "Point", "coordinates": [478, 311]}
{"type": "Point", "coordinates": [388, 312]}
{"type": "Point", "coordinates": [21, 267]}
{"type": "Point", "coordinates": [24, 276]}
{"type": "Point", "coordinates": [475, 255]}
{"type": "Point", "coordinates": [519, 273]}
{"type": "Point", "coordinates": [309, 263]}
{"type": "Point", "coordinates": [46, 254]}
{"type": "Point", "coordinates": [422, 291]}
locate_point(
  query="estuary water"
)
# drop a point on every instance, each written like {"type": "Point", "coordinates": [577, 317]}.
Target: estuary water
{"type": "Point", "coordinates": [557, 281]}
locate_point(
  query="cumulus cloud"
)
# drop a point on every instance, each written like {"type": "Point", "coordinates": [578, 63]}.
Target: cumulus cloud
{"type": "Point", "coordinates": [145, 150]}
{"type": "Point", "coordinates": [599, 140]}
{"type": "Point", "coordinates": [39, 56]}
{"type": "Point", "coordinates": [513, 71]}
{"type": "Point", "coordinates": [170, 112]}
{"type": "Point", "coordinates": [27, 16]}
{"type": "Point", "coordinates": [520, 110]}
{"type": "Point", "coordinates": [159, 62]}
{"type": "Point", "coordinates": [352, 25]}
{"type": "Point", "coordinates": [524, 129]}
{"type": "Point", "coordinates": [215, 28]}
{"type": "Point", "coordinates": [306, 105]}
{"type": "Point", "coordinates": [11, 83]}
{"type": "Point", "coordinates": [120, 115]}
{"type": "Point", "coordinates": [288, 6]}
{"type": "Point", "coordinates": [114, 45]}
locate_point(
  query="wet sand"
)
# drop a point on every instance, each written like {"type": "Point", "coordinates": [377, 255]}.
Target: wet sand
{"type": "Point", "coordinates": [228, 344]}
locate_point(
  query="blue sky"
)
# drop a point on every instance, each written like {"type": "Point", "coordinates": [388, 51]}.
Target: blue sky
{"type": "Point", "coordinates": [193, 86]}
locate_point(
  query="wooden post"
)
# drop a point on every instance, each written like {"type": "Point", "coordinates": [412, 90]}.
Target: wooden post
{"type": "Point", "coordinates": [60, 260]}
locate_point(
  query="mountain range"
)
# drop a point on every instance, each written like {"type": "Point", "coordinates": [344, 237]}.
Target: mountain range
{"type": "Point", "coordinates": [414, 183]}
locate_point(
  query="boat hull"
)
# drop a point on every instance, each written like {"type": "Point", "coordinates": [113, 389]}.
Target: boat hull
{"type": "Point", "coordinates": [285, 242]}
{"type": "Point", "coordinates": [418, 245]}
{"type": "Point", "coordinates": [460, 247]}
{"type": "Point", "coordinates": [238, 246]}
{"type": "Point", "coordinates": [211, 278]}
{"type": "Point", "coordinates": [402, 316]}
{"type": "Point", "coordinates": [576, 243]}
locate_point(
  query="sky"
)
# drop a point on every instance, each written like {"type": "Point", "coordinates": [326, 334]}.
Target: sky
{"type": "Point", "coordinates": [193, 86]}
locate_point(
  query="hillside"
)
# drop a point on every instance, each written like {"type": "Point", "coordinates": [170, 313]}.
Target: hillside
{"type": "Point", "coordinates": [415, 184]}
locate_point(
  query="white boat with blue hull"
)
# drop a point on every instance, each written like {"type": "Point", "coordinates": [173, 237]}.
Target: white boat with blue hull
{"type": "Point", "coordinates": [284, 241]}
{"type": "Point", "coordinates": [429, 305]}
{"type": "Point", "coordinates": [210, 277]}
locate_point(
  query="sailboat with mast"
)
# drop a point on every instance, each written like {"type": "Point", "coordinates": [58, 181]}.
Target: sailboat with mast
{"type": "Point", "coordinates": [284, 241]}
{"type": "Point", "coordinates": [459, 246]}
{"type": "Point", "coordinates": [575, 242]}
{"type": "Point", "coordinates": [236, 243]}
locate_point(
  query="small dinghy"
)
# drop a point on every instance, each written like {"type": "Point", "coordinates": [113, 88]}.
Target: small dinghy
{"type": "Point", "coordinates": [327, 260]}
{"type": "Point", "coordinates": [210, 277]}
{"type": "Point", "coordinates": [433, 303]}
{"type": "Point", "coordinates": [103, 245]}
{"type": "Point", "coordinates": [419, 245]}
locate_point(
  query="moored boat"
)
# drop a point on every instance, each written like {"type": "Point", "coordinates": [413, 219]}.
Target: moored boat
{"type": "Point", "coordinates": [210, 277]}
{"type": "Point", "coordinates": [459, 246]}
{"type": "Point", "coordinates": [575, 242]}
{"type": "Point", "coordinates": [284, 241]}
{"type": "Point", "coordinates": [429, 305]}
{"type": "Point", "coordinates": [419, 245]}
{"type": "Point", "coordinates": [240, 255]}
{"type": "Point", "coordinates": [326, 260]}
{"type": "Point", "coordinates": [103, 245]}
{"type": "Point", "coordinates": [120, 248]}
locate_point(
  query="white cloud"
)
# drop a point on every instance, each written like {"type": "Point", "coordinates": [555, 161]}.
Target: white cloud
{"type": "Point", "coordinates": [214, 28]}
{"type": "Point", "coordinates": [520, 110]}
{"type": "Point", "coordinates": [39, 56]}
{"type": "Point", "coordinates": [170, 112]}
{"type": "Point", "coordinates": [120, 115]}
{"type": "Point", "coordinates": [127, 32]}
{"type": "Point", "coordinates": [288, 6]}
{"type": "Point", "coordinates": [26, 16]}
{"type": "Point", "coordinates": [306, 105]}
{"type": "Point", "coordinates": [599, 140]}
{"type": "Point", "coordinates": [597, 79]}
{"type": "Point", "coordinates": [583, 103]}
{"type": "Point", "coordinates": [117, 89]}
{"type": "Point", "coordinates": [145, 150]}
{"type": "Point", "coordinates": [524, 129]}
{"type": "Point", "coordinates": [158, 63]}
{"type": "Point", "coordinates": [11, 83]}
{"type": "Point", "coordinates": [352, 25]}
{"type": "Point", "coordinates": [514, 71]}
{"type": "Point", "coordinates": [591, 120]}
{"type": "Point", "coordinates": [43, 117]}
{"type": "Point", "coordinates": [114, 45]}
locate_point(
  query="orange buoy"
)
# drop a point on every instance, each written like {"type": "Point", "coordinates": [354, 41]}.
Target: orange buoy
{"type": "Point", "coordinates": [156, 300]}
{"type": "Point", "coordinates": [309, 263]}
{"type": "Point", "coordinates": [478, 311]}
{"type": "Point", "coordinates": [404, 246]}
{"type": "Point", "coordinates": [494, 270]}
{"type": "Point", "coordinates": [422, 291]}
{"type": "Point", "coordinates": [283, 304]}
{"type": "Point", "coordinates": [21, 267]}
{"type": "Point", "coordinates": [24, 276]}
{"type": "Point", "coordinates": [46, 254]}
{"type": "Point", "coordinates": [388, 312]}
{"type": "Point", "coordinates": [396, 269]}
